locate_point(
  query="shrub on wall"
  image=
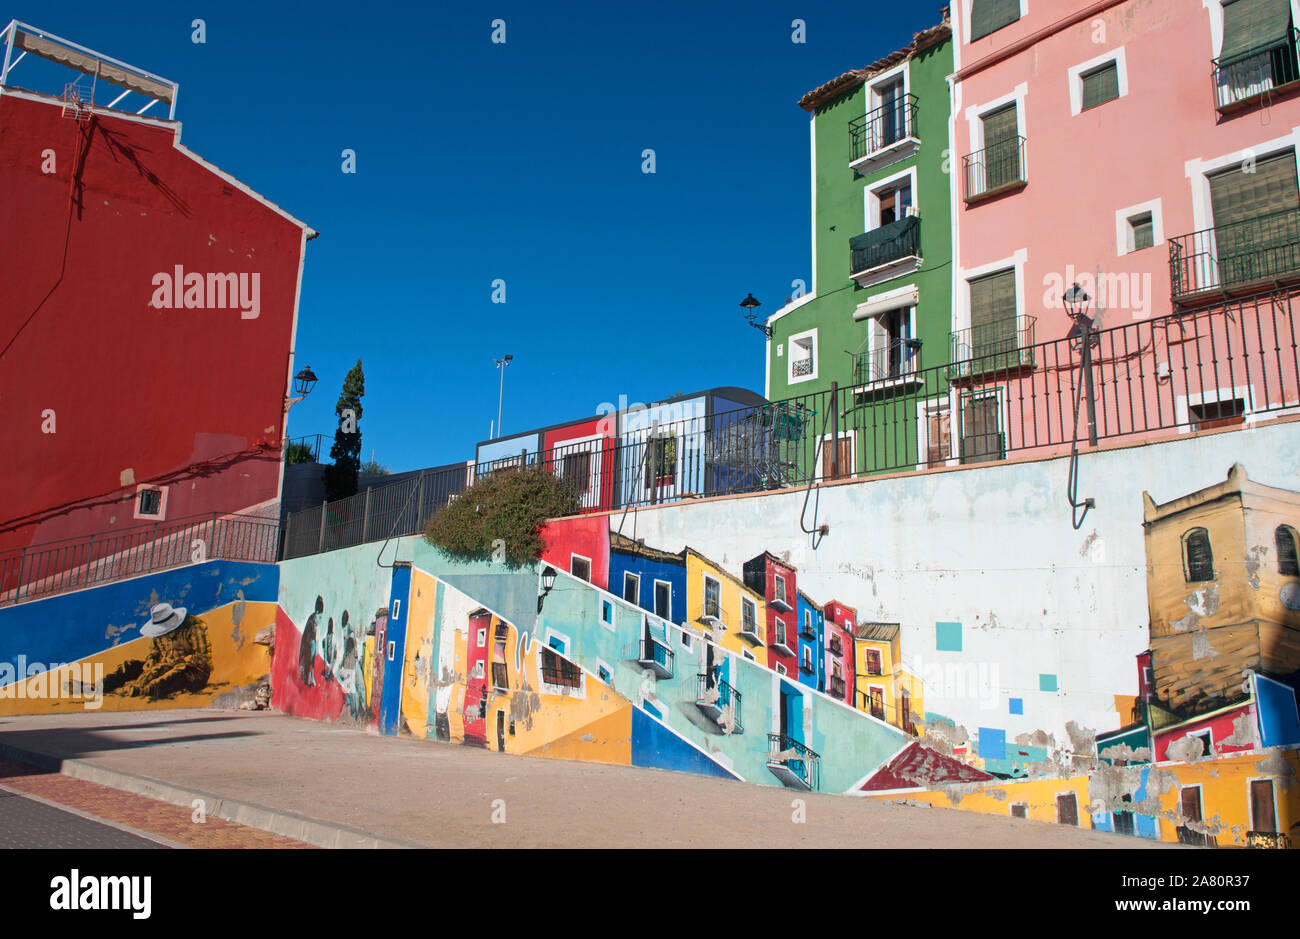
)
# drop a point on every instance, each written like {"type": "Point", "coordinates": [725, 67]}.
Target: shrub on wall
{"type": "Point", "coordinates": [511, 505]}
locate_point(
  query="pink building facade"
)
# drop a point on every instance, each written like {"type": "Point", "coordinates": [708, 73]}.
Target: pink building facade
{"type": "Point", "coordinates": [1088, 142]}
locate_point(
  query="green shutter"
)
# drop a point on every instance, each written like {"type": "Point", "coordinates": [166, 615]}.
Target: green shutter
{"type": "Point", "coordinates": [1001, 158]}
{"type": "Point", "coordinates": [1000, 125]}
{"type": "Point", "coordinates": [1144, 235]}
{"type": "Point", "coordinates": [1101, 85]}
{"type": "Point", "coordinates": [988, 16]}
{"type": "Point", "coordinates": [993, 299]}
{"type": "Point", "coordinates": [1239, 195]}
{"type": "Point", "coordinates": [1249, 25]}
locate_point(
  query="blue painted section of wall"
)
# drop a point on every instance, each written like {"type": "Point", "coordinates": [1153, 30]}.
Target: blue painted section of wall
{"type": "Point", "coordinates": [390, 705]}
{"type": "Point", "coordinates": [656, 746]}
{"type": "Point", "coordinates": [816, 678]}
{"type": "Point", "coordinates": [71, 626]}
{"type": "Point", "coordinates": [1016, 706]}
{"type": "Point", "coordinates": [1275, 705]}
{"type": "Point", "coordinates": [947, 637]}
{"type": "Point", "coordinates": [993, 744]}
{"type": "Point", "coordinates": [649, 571]}
{"type": "Point", "coordinates": [507, 447]}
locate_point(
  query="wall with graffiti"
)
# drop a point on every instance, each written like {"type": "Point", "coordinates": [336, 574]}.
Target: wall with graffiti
{"type": "Point", "coordinates": [187, 637]}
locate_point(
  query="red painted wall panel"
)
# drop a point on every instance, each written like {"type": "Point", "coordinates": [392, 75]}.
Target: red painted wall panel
{"type": "Point", "coordinates": [588, 537]}
{"type": "Point", "coordinates": [189, 397]}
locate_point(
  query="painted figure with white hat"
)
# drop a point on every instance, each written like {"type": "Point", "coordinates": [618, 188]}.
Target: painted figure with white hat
{"type": "Point", "coordinates": [180, 660]}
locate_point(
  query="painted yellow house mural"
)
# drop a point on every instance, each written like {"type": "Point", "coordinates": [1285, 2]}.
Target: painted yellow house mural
{"type": "Point", "coordinates": [721, 607]}
{"type": "Point", "coordinates": [884, 686]}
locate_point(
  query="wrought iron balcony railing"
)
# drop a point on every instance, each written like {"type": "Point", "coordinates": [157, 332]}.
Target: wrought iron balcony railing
{"type": "Point", "coordinates": [655, 655]}
{"type": "Point", "coordinates": [883, 127]}
{"type": "Point", "coordinates": [999, 167]}
{"type": "Point", "coordinates": [835, 687]}
{"type": "Point", "coordinates": [807, 630]}
{"type": "Point", "coordinates": [1246, 77]}
{"type": "Point", "coordinates": [720, 701]}
{"type": "Point", "coordinates": [835, 646]}
{"type": "Point", "coordinates": [885, 245]}
{"type": "Point", "coordinates": [1260, 250]}
{"type": "Point", "coordinates": [793, 763]}
{"type": "Point", "coordinates": [1003, 344]}
{"type": "Point", "coordinates": [900, 359]}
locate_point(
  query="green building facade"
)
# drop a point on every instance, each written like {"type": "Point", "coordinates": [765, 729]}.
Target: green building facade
{"type": "Point", "coordinates": [878, 318]}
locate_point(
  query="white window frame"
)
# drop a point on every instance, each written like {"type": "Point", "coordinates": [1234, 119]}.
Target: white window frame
{"type": "Point", "coordinates": [1077, 72]}
{"type": "Point", "coordinates": [976, 113]}
{"type": "Point", "coordinates": [1198, 172]}
{"type": "Point", "coordinates": [873, 99]}
{"type": "Point", "coordinates": [791, 378]}
{"type": "Point", "coordinates": [669, 585]}
{"type": "Point", "coordinates": [853, 454]}
{"type": "Point", "coordinates": [871, 196]}
{"type": "Point", "coordinates": [747, 603]}
{"type": "Point", "coordinates": [1183, 404]}
{"type": "Point", "coordinates": [591, 571]}
{"type": "Point", "coordinates": [637, 579]}
{"type": "Point", "coordinates": [606, 601]}
{"type": "Point", "coordinates": [1124, 225]}
{"type": "Point", "coordinates": [779, 593]}
{"type": "Point", "coordinates": [704, 596]}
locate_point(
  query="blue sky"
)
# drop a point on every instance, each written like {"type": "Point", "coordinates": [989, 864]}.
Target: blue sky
{"type": "Point", "coordinates": [520, 161]}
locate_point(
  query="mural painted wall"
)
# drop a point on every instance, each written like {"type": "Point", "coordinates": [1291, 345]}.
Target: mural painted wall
{"type": "Point", "coordinates": [181, 638]}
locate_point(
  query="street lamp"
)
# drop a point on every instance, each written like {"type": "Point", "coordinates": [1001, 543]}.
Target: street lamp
{"type": "Point", "coordinates": [1081, 337]}
{"type": "Point", "coordinates": [304, 382]}
{"type": "Point", "coordinates": [750, 306]}
{"type": "Point", "coordinates": [548, 581]}
{"type": "Point", "coordinates": [501, 367]}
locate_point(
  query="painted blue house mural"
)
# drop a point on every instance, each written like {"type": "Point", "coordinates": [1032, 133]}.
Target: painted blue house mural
{"type": "Point", "coordinates": [812, 630]}
{"type": "Point", "coordinates": [651, 579]}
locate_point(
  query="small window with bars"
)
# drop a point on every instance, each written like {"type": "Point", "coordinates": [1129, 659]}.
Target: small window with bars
{"type": "Point", "coordinates": [1198, 556]}
{"type": "Point", "coordinates": [1287, 563]}
{"type": "Point", "coordinates": [560, 671]}
{"type": "Point", "coordinates": [1100, 85]}
{"type": "Point", "coordinates": [150, 502]}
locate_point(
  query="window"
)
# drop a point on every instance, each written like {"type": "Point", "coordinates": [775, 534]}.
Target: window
{"type": "Point", "coordinates": [892, 125]}
{"type": "Point", "coordinates": [604, 674]}
{"type": "Point", "coordinates": [877, 699]}
{"type": "Point", "coordinates": [844, 449]}
{"type": "Point", "coordinates": [1224, 412]}
{"type": "Point", "coordinates": [1255, 207]}
{"type": "Point", "coordinates": [500, 677]}
{"type": "Point", "coordinates": [1067, 809]}
{"type": "Point", "coordinates": [661, 461]}
{"type": "Point", "coordinates": [150, 501]}
{"type": "Point", "coordinates": [981, 432]}
{"type": "Point", "coordinates": [807, 659]}
{"type": "Point", "coordinates": [560, 671]}
{"type": "Point", "coordinates": [780, 669]}
{"type": "Point", "coordinates": [482, 637]}
{"type": "Point", "coordinates": [664, 600]}
{"type": "Point", "coordinates": [1258, 51]}
{"type": "Point", "coordinates": [992, 314]}
{"type": "Point", "coordinates": [712, 590]}
{"type": "Point", "coordinates": [1019, 810]}
{"type": "Point", "coordinates": [686, 639]}
{"type": "Point", "coordinates": [1287, 563]}
{"type": "Point", "coordinates": [1141, 230]}
{"type": "Point", "coordinates": [749, 655]}
{"type": "Point", "coordinates": [988, 16]}
{"type": "Point", "coordinates": [1124, 820]}
{"type": "Point", "coordinates": [803, 357]}
{"type": "Point", "coordinates": [1198, 556]}
{"type": "Point", "coordinates": [631, 588]}
{"type": "Point", "coordinates": [873, 662]}
{"type": "Point", "coordinates": [778, 587]}
{"type": "Point", "coordinates": [607, 612]}
{"type": "Point", "coordinates": [500, 674]}
{"type": "Point", "coordinates": [1263, 816]}
{"type": "Point", "coordinates": [779, 625]}
{"type": "Point", "coordinates": [889, 350]}
{"type": "Point", "coordinates": [580, 567]}
{"type": "Point", "coordinates": [938, 434]}
{"type": "Point", "coordinates": [1206, 740]}
{"type": "Point", "coordinates": [1001, 157]}
{"type": "Point", "coordinates": [576, 471]}
{"type": "Point", "coordinates": [1100, 85]}
{"type": "Point", "coordinates": [747, 619]}
{"type": "Point", "coordinates": [894, 200]}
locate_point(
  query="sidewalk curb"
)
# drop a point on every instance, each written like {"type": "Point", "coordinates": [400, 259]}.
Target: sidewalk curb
{"type": "Point", "coordinates": [307, 830]}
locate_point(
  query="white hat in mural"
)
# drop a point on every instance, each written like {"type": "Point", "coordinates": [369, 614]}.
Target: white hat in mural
{"type": "Point", "coordinates": [163, 620]}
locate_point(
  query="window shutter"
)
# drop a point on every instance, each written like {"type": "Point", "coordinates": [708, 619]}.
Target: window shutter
{"type": "Point", "coordinates": [1249, 25]}
{"type": "Point", "coordinates": [1144, 234]}
{"type": "Point", "coordinates": [1001, 159]}
{"type": "Point", "coordinates": [1000, 125]}
{"type": "Point", "coordinates": [1101, 85]}
{"type": "Point", "coordinates": [992, 301]}
{"type": "Point", "coordinates": [1237, 196]}
{"type": "Point", "coordinates": [988, 16]}
{"type": "Point", "coordinates": [1287, 563]}
{"type": "Point", "coordinates": [878, 349]}
{"type": "Point", "coordinates": [1199, 556]}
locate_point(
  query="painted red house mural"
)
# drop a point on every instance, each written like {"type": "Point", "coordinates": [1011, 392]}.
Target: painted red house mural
{"type": "Point", "coordinates": [167, 288]}
{"type": "Point", "coordinates": [841, 621]}
{"type": "Point", "coordinates": [478, 649]}
{"type": "Point", "coordinates": [579, 546]}
{"type": "Point", "coordinates": [775, 580]}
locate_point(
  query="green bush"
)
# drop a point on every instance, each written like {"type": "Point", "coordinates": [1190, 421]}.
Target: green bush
{"type": "Point", "coordinates": [299, 453]}
{"type": "Point", "coordinates": [511, 505]}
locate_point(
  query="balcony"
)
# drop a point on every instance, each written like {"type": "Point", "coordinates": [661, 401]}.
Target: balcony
{"type": "Point", "coordinates": [807, 629]}
{"type": "Point", "coordinates": [836, 647]}
{"type": "Point", "coordinates": [1004, 344]}
{"type": "Point", "coordinates": [792, 763]}
{"type": "Point", "coordinates": [875, 708]}
{"type": "Point", "coordinates": [1267, 839]}
{"type": "Point", "coordinates": [1231, 258]}
{"type": "Point", "coordinates": [894, 365]}
{"type": "Point", "coordinates": [720, 703]}
{"type": "Point", "coordinates": [998, 168]}
{"type": "Point", "coordinates": [749, 632]}
{"type": "Point", "coordinates": [1244, 79]}
{"type": "Point", "coordinates": [883, 136]}
{"type": "Point", "coordinates": [890, 251]}
{"type": "Point", "coordinates": [835, 687]}
{"type": "Point", "coordinates": [653, 654]}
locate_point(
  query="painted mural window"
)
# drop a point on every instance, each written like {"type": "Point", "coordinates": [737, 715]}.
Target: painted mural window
{"type": "Point", "coordinates": [779, 589]}
{"type": "Point", "coordinates": [1019, 810]}
{"type": "Point", "coordinates": [873, 662]}
{"type": "Point", "coordinates": [1198, 556]}
{"type": "Point", "coordinates": [560, 671]}
{"type": "Point", "coordinates": [807, 663]}
{"type": "Point", "coordinates": [1263, 816]}
{"type": "Point", "coordinates": [500, 674]}
{"type": "Point", "coordinates": [988, 16]}
{"type": "Point", "coordinates": [1067, 809]}
{"type": "Point", "coordinates": [877, 703]}
{"type": "Point", "coordinates": [1288, 565]}
{"type": "Point", "coordinates": [748, 621]}
{"type": "Point", "coordinates": [631, 588]}
{"type": "Point", "coordinates": [664, 600]}
{"type": "Point", "coordinates": [780, 631]}
{"type": "Point", "coordinates": [712, 593]}
{"type": "Point", "coordinates": [580, 567]}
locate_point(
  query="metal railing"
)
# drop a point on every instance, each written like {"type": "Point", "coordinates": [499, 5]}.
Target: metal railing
{"type": "Point", "coordinates": [655, 653]}
{"type": "Point", "coordinates": [1005, 343]}
{"type": "Point", "coordinates": [72, 564]}
{"type": "Point", "coordinates": [999, 166]}
{"type": "Point", "coordinates": [882, 127]}
{"type": "Point", "coordinates": [1150, 378]}
{"type": "Point", "coordinates": [311, 445]}
{"type": "Point", "coordinates": [1253, 74]}
{"type": "Point", "coordinates": [794, 756]}
{"type": "Point", "coordinates": [898, 240]}
{"type": "Point", "coordinates": [835, 687]}
{"type": "Point", "coordinates": [717, 695]}
{"type": "Point", "coordinates": [1267, 839]}
{"type": "Point", "coordinates": [807, 630]}
{"type": "Point", "coordinates": [1259, 250]}
{"type": "Point", "coordinates": [898, 359]}
{"type": "Point", "coordinates": [835, 647]}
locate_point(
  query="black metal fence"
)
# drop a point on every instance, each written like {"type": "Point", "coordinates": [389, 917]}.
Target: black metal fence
{"type": "Point", "coordinates": [997, 167]}
{"type": "Point", "coordinates": [882, 127]}
{"type": "Point", "coordinates": [72, 564]}
{"type": "Point", "coordinates": [1257, 250]}
{"type": "Point", "coordinates": [307, 449]}
{"type": "Point", "coordinates": [1246, 77]}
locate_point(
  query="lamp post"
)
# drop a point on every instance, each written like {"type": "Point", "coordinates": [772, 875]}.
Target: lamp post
{"type": "Point", "coordinates": [548, 581]}
{"type": "Point", "coordinates": [1081, 336]}
{"type": "Point", "coordinates": [750, 306]}
{"type": "Point", "coordinates": [502, 363]}
{"type": "Point", "coordinates": [303, 383]}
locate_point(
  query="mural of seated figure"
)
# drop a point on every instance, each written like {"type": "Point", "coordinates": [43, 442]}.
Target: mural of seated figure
{"type": "Point", "coordinates": [180, 660]}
